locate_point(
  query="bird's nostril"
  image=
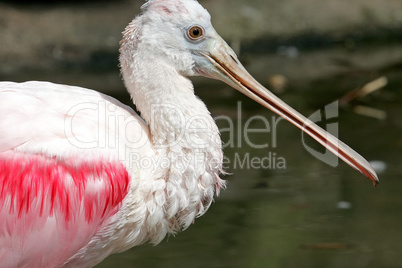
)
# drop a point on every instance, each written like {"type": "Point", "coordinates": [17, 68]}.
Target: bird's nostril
{"type": "Point", "coordinates": [234, 59]}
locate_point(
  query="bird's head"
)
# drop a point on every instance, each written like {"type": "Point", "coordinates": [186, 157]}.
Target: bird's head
{"type": "Point", "coordinates": [175, 32]}
{"type": "Point", "coordinates": [179, 34]}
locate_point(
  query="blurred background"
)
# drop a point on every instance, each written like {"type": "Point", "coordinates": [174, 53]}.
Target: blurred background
{"type": "Point", "coordinates": [310, 53]}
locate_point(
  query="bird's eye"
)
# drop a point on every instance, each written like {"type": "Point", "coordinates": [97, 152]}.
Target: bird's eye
{"type": "Point", "coordinates": [195, 33]}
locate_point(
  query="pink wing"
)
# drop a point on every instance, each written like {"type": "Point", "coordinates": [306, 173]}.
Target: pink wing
{"type": "Point", "coordinates": [53, 198]}
{"type": "Point", "coordinates": [50, 208]}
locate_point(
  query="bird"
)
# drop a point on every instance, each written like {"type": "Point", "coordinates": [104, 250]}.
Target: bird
{"type": "Point", "coordinates": [83, 176]}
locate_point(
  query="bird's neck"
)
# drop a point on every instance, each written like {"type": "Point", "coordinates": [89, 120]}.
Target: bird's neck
{"type": "Point", "coordinates": [167, 102]}
{"type": "Point", "coordinates": [185, 138]}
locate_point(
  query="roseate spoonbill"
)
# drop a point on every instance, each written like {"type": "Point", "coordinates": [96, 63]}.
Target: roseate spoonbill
{"type": "Point", "coordinates": [82, 176]}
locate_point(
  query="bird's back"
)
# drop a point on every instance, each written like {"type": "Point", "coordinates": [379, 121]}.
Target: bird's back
{"type": "Point", "coordinates": [39, 116]}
